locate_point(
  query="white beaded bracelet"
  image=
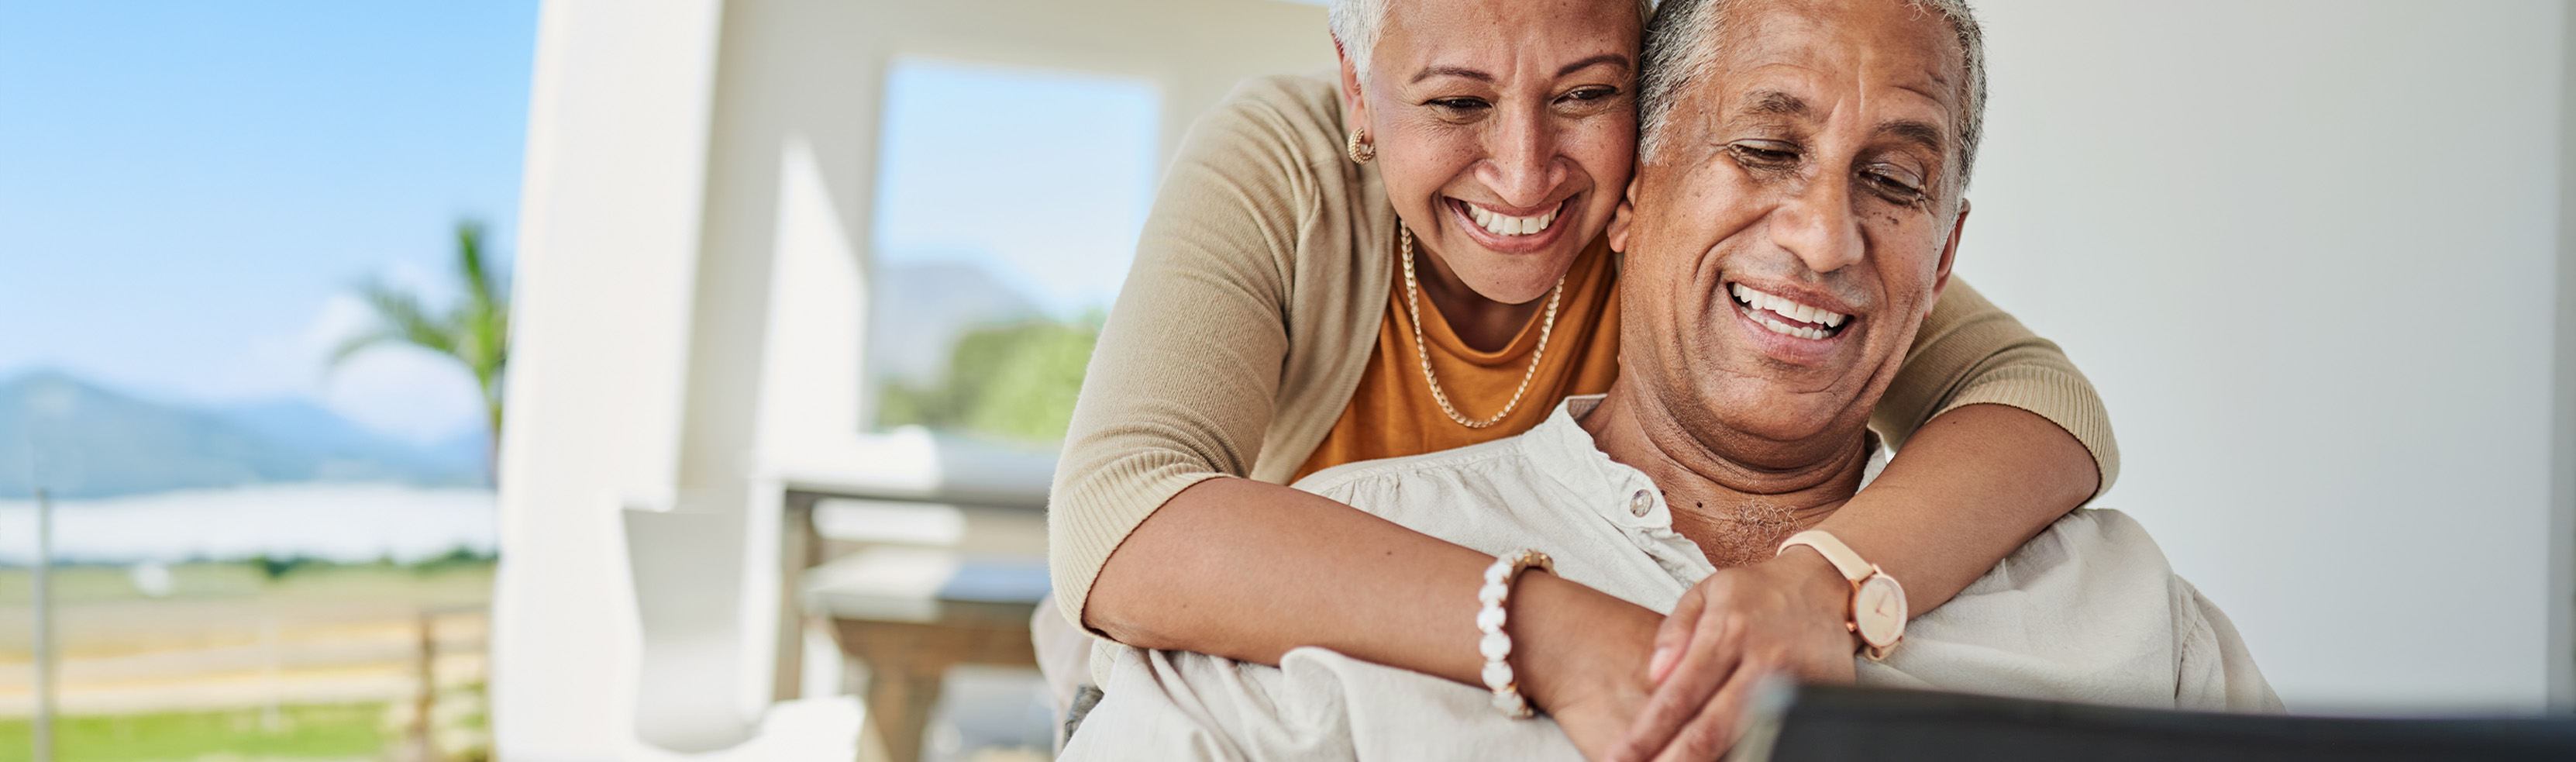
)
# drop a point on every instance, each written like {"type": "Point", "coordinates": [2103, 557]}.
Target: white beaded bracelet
{"type": "Point", "coordinates": [1495, 645]}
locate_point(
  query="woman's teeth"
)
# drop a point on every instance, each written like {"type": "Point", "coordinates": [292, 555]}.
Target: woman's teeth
{"type": "Point", "coordinates": [1812, 316]}
{"type": "Point", "coordinates": [1502, 224]}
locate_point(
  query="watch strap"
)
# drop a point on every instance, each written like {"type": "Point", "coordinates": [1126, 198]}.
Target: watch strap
{"type": "Point", "coordinates": [1834, 551]}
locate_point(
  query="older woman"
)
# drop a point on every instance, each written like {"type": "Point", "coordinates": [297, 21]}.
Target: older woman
{"type": "Point", "coordinates": [1412, 260]}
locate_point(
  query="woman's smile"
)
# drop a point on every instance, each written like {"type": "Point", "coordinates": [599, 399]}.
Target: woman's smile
{"type": "Point", "coordinates": [1505, 233]}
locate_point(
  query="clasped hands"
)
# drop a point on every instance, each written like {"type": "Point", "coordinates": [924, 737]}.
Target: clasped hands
{"type": "Point", "coordinates": [1684, 699]}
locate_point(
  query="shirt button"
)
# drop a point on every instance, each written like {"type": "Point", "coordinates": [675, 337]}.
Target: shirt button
{"type": "Point", "coordinates": [1640, 503]}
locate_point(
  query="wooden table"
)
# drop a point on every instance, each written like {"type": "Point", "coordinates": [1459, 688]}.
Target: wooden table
{"type": "Point", "coordinates": [912, 611]}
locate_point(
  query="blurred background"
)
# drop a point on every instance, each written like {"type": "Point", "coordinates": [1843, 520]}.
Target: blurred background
{"type": "Point", "coordinates": [778, 308]}
{"type": "Point", "coordinates": [272, 507]}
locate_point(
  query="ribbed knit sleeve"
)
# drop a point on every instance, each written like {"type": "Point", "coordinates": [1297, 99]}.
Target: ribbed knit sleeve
{"type": "Point", "coordinates": [1196, 358]}
{"type": "Point", "coordinates": [1970, 352]}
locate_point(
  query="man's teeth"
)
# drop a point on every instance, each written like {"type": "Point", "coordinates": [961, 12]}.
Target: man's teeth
{"type": "Point", "coordinates": [1792, 310]}
{"type": "Point", "coordinates": [1501, 224]}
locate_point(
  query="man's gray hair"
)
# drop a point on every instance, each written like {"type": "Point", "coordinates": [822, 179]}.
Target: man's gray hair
{"type": "Point", "coordinates": [1681, 50]}
{"type": "Point", "coordinates": [1357, 23]}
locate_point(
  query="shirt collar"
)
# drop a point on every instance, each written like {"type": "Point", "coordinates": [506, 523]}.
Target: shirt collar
{"type": "Point", "coordinates": [1566, 453]}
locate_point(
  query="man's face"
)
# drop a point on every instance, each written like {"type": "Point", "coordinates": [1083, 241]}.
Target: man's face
{"type": "Point", "coordinates": [1796, 225]}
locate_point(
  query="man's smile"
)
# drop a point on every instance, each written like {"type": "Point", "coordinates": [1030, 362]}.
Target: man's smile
{"type": "Point", "coordinates": [1785, 317]}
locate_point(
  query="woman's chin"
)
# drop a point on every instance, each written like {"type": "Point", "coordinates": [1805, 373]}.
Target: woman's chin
{"type": "Point", "coordinates": [1517, 283]}
{"type": "Point", "coordinates": [1514, 275]}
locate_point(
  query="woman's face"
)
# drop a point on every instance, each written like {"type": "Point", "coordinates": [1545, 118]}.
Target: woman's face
{"type": "Point", "coordinates": [1505, 131]}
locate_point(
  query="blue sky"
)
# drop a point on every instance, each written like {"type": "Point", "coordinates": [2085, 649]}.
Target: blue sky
{"type": "Point", "coordinates": [189, 186]}
{"type": "Point", "coordinates": [191, 190]}
{"type": "Point", "coordinates": [1086, 171]}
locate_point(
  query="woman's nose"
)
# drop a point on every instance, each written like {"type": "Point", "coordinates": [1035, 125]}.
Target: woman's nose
{"type": "Point", "coordinates": [1521, 163]}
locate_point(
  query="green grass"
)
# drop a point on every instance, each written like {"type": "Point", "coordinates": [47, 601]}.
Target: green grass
{"type": "Point", "coordinates": [320, 732]}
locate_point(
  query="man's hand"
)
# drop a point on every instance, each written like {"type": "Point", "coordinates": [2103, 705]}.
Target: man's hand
{"type": "Point", "coordinates": [1783, 616]}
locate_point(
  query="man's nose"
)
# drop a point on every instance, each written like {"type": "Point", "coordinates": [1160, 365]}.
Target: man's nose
{"type": "Point", "coordinates": [1816, 223]}
{"type": "Point", "coordinates": [1521, 164]}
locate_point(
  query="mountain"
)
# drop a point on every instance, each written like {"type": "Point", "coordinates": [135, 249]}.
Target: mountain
{"type": "Point", "coordinates": [80, 440]}
{"type": "Point", "coordinates": [350, 452]}
{"type": "Point", "coordinates": [919, 308]}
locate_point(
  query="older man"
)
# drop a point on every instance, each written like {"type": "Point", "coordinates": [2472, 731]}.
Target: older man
{"type": "Point", "coordinates": [1795, 216]}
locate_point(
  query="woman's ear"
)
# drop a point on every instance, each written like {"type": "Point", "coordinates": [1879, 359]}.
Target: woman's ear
{"type": "Point", "coordinates": [1354, 108]}
{"type": "Point", "coordinates": [1622, 217]}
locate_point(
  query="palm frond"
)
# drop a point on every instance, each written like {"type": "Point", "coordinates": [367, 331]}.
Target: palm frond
{"type": "Point", "coordinates": [477, 279]}
{"type": "Point", "coordinates": [400, 319]}
{"type": "Point", "coordinates": [362, 341]}
{"type": "Point", "coordinates": [481, 320]}
{"type": "Point", "coordinates": [474, 330]}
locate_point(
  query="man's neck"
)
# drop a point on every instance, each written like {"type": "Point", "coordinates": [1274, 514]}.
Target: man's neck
{"type": "Point", "coordinates": [1737, 513]}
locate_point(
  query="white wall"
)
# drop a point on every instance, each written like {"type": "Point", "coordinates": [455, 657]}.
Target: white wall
{"type": "Point", "coordinates": [2307, 249]}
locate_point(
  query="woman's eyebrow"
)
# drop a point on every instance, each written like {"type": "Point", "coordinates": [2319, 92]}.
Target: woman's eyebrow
{"type": "Point", "coordinates": [1612, 59]}
{"type": "Point", "coordinates": [1453, 71]}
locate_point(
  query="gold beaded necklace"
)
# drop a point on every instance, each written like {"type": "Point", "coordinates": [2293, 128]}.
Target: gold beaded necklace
{"type": "Point", "coordinates": [1413, 308]}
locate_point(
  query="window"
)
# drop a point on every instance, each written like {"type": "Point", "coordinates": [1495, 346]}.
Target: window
{"type": "Point", "coordinates": [1007, 206]}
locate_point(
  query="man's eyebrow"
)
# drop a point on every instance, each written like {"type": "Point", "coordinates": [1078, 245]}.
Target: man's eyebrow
{"type": "Point", "coordinates": [1774, 103]}
{"type": "Point", "coordinates": [1453, 71]}
{"type": "Point", "coordinates": [1613, 59]}
{"type": "Point", "coordinates": [1912, 131]}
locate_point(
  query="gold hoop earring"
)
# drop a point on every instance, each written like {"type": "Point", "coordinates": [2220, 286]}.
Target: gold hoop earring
{"type": "Point", "coordinates": [1359, 148]}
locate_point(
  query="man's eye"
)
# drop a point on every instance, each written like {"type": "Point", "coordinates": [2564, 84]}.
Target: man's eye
{"type": "Point", "coordinates": [1764, 154]}
{"type": "Point", "coordinates": [1896, 185]}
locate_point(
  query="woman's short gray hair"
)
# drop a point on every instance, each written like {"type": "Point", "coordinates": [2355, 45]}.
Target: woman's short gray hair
{"type": "Point", "coordinates": [1357, 23]}
{"type": "Point", "coordinates": [1680, 49]}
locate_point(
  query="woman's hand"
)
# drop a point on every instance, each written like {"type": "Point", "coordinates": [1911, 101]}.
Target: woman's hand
{"type": "Point", "coordinates": [1783, 616]}
{"type": "Point", "coordinates": [1581, 656]}
{"type": "Point", "coordinates": [1597, 717]}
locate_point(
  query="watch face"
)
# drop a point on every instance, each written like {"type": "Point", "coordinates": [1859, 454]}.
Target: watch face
{"type": "Point", "coordinates": [1878, 610]}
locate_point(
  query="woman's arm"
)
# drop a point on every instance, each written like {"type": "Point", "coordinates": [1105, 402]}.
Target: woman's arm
{"type": "Point", "coordinates": [1184, 380]}
{"type": "Point", "coordinates": [2016, 438]}
{"type": "Point", "coordinates": [1998, 435]}
{"type": "Point", "coordinates": [1248, 570]}
{"type": "Point", "coordinates": [1972, 486]}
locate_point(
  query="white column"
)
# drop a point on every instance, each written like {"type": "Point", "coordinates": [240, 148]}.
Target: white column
{"type": "Point", "coordinates": [609, 234]}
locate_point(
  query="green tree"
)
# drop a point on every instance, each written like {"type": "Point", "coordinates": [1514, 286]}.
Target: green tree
{"type": "Point", "coordinates": [1014, 382]}
{"type": "Point", "coordinates": [474, 329]}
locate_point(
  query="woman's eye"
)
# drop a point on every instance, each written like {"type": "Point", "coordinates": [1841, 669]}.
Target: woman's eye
{"type": "Point", "coordinates": [1458, 104]}
{"type": "Point", "coordinates": [1591, 94]}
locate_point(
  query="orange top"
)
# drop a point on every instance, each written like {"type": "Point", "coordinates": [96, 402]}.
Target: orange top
{"type": "Point", "coordinates": [1392, 412]}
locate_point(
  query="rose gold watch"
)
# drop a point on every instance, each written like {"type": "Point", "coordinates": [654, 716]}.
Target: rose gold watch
{"type": "Point", "coordinates": [1877, 609]}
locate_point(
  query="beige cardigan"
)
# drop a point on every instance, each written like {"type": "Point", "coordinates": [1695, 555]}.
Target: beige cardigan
{"type": "Point", "coordinates": [1255, 297]}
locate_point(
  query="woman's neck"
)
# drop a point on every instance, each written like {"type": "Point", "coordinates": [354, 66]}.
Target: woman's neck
{"type": "Point", "coordinates": [1482, 324]}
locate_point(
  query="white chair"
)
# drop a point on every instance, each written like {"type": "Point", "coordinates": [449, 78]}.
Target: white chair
{"type": "Point", "coordinates": [686, 571]}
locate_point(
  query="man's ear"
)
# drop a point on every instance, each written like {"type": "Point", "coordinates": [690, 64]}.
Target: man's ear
{"type": "Point", "coordinates": [1354, 108]}
{"type": "Point", "coordinates": [1623, 217]}
{"type": "Point", "coordinates": [1949, 257]}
